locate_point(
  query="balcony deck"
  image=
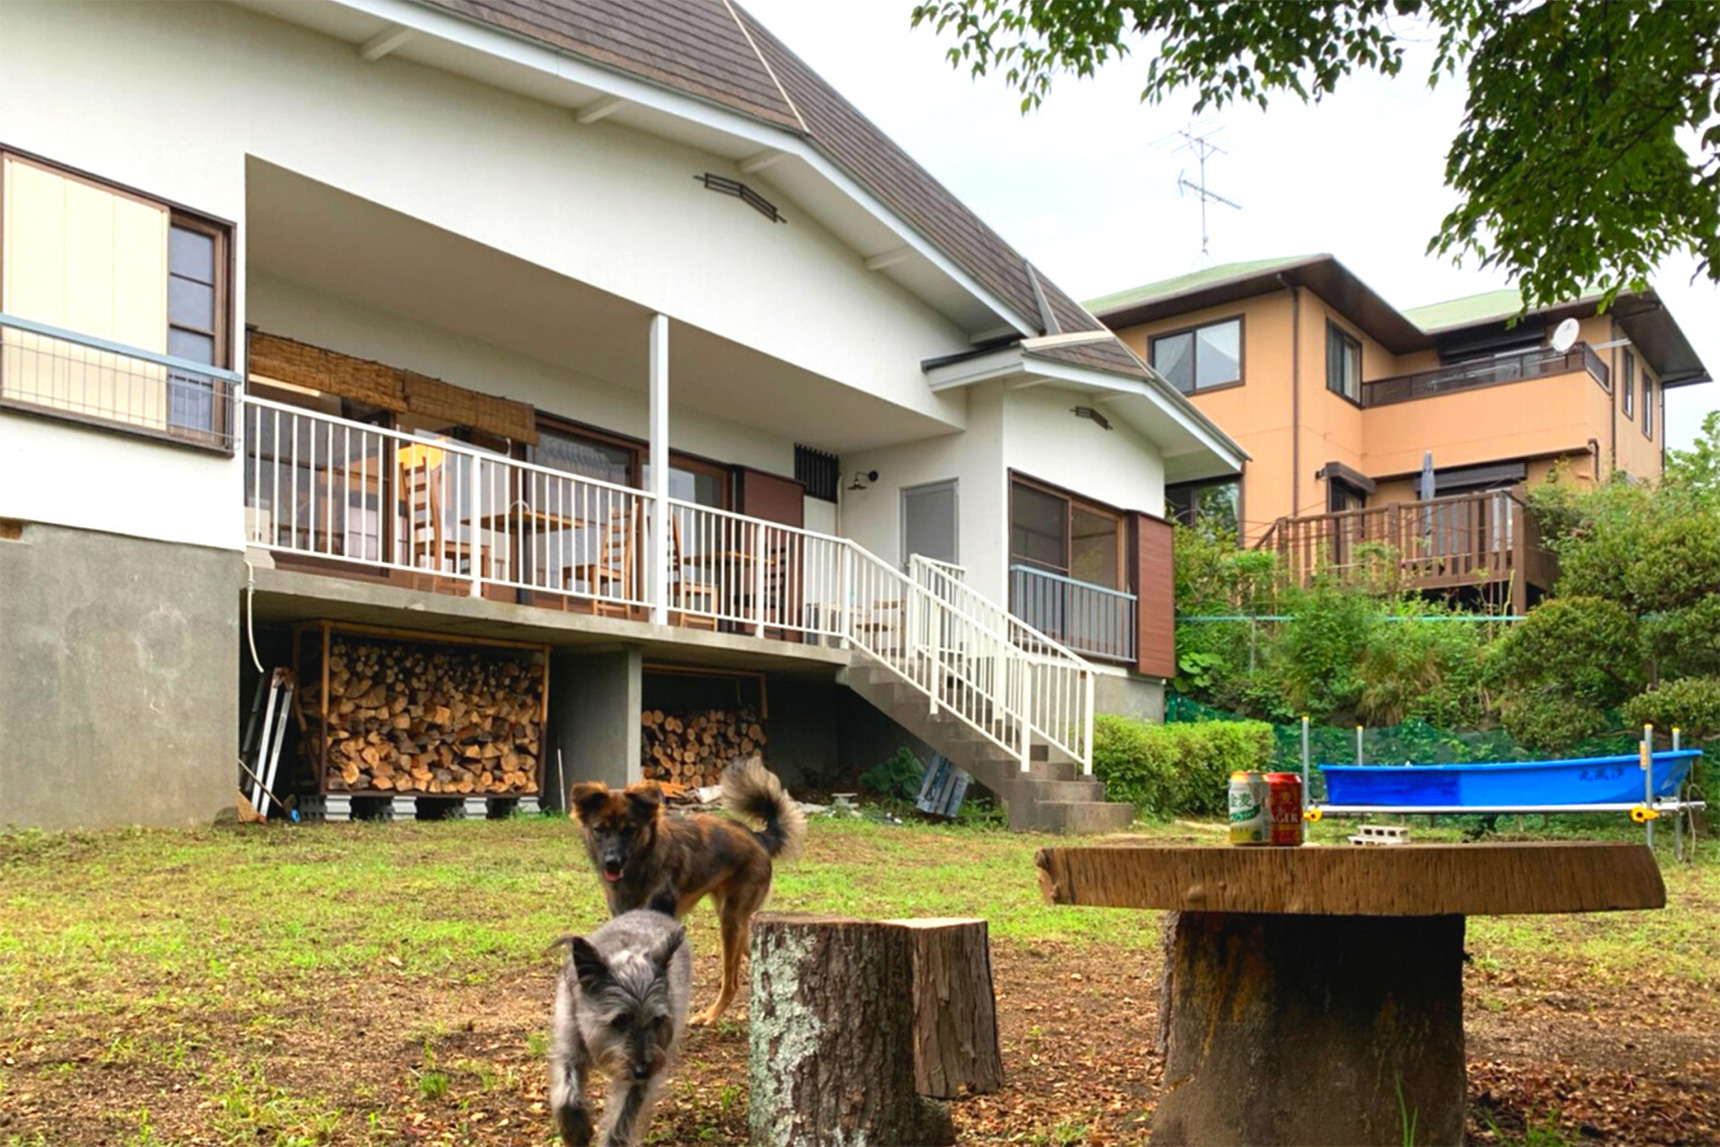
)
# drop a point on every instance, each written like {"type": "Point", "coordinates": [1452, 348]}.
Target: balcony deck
{"type": "Point", "coordinates": [1484, 541]}
{"type": "Point", "coordinates": [1543, 362]}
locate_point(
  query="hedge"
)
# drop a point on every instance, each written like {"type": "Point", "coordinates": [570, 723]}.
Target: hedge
{"type": "Point", "coordinates": [1180, 769]}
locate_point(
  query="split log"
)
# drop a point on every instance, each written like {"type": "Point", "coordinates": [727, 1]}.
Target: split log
{"type": "Point", "coordinates": [407, 717]}
{"type": "Point", "coordinates": [955, 1008]}
{"type": "Point", "coordinates": [694, 748]}
{"type": "Point", "coordinates": [832, 1036]}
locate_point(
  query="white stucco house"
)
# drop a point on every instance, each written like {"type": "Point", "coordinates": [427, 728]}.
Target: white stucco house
{"type": "Point", "coordinates": [606, 328]}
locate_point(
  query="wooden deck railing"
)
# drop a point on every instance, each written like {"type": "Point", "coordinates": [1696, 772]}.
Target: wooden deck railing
{"type": "Point", "coordinates": [1541, 363]}
{"type": "Point", "coordinates": [1444, 543]}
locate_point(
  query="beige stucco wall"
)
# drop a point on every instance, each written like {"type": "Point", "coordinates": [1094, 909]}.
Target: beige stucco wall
{"type": "Point", "coordinates": [1568, 416]}
{"type": "Point", "coordinates": [1258, 414]}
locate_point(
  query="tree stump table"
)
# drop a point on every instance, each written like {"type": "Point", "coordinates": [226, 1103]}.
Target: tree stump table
{"type": "Point", "coordinates": [1315, 995]}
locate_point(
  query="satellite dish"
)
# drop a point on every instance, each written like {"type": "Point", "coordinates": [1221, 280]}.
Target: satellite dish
{"type": "Point", "coordinates": [1565, 335]}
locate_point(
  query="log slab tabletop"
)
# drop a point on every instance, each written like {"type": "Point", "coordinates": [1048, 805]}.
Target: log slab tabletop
{"type": "Point", "coordinates": [1315, 995]}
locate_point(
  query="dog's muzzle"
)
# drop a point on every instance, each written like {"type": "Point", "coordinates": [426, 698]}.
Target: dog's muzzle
{"type": "Point", "coordinates": [612, 870]}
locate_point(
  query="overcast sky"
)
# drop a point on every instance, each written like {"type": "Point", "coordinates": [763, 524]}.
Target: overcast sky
{"type": "Point", "coordinates": [1086, 188]}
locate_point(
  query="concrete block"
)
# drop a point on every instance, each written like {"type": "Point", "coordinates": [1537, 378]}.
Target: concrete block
{"type": "Point", "coordinates": [119, 675]}
{"type": "Point", "coordinates": [594, 706]}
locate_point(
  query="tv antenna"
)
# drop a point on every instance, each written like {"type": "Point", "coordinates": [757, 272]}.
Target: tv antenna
{"type": "Point", "coordinates": [1199, 141]}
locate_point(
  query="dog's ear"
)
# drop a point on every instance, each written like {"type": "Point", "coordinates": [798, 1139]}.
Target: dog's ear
{"type": "Point", "coordinates": [588, 798]}
{"type": "Point", "coordinates": [589, 966]}
{"type": "Point", "coordinates": [644, 801]}
{"type": "Point", "coordinates": [667, 947]}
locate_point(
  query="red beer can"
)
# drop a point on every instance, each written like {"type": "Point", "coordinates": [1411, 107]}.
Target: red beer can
{"type": "Point", "coordinates": [1284, 808]}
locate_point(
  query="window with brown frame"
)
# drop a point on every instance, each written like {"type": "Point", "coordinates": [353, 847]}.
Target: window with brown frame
{"type": "Point", "coordinates": [577, 449]}
{"type": "Point", "coordinates": [1343, 362]}
{"type": "Point", "coordinates": [98, 260]}
{"type": "Point", "coordinates": [1063, 534]}
{"type": "Point", "coordinates": [1647, 405]}
{"type": "Point", "coordinates": [1627, 394]}
{"type": "Point", "coordinates": [1200, 358]}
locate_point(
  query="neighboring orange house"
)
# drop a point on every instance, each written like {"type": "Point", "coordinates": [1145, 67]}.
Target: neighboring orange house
{"type": "Point", "coordinates": [1341, 401]}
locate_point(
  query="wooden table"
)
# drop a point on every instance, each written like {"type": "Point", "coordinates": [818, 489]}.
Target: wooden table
{"type": "Point", "coordinates": [1315, 995]}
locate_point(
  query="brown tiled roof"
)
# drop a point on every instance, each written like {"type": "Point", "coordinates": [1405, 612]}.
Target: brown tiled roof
{"type": "Point", "coordinates": [1108, 355]}
{"type": "Point", "coordinates": [693, 46]}
{"type": "Point", "coordinates": [701, 48]}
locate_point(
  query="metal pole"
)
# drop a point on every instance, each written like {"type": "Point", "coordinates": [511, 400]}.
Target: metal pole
{"type": "Point", "coordinates": [1358, 744]}
{"type": "Point", "coordinates": [1677, 810]}
{"type": "Point", "coordinates": [1647, 753]}
{"type": "Point", "coordinates": [1305, 776]}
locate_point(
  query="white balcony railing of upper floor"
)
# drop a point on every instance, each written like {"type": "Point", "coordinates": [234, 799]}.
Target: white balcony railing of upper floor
{"type": "Point", "coordinates": [1543, 362]}
{"type": "Point", "coordinates": [476, 522]}
{"type": "Point", "coordinates": [62, 374]}
{"type": "Point", "coordinates": [1093, 620]}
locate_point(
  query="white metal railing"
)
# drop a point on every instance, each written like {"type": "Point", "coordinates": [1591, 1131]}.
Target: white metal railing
{"type": "Point", "coordinates": [49, 370]}
{"type": "Point", "coordinates": [1062, 696]}
{"type": "Point", "coordinates": [332, 488]}
{"type": "Point", "coordinates": [1092, 619]}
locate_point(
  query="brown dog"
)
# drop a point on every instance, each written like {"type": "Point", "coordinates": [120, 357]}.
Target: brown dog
{"type": "Point", "coordinates": [639, 850]}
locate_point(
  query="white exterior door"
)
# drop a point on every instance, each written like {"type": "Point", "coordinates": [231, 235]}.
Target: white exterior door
{"type": "Point", "coordinates": [929, 522]}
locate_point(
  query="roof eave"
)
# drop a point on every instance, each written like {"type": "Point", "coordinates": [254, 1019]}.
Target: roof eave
{"type": "Point", "coordinates": [1024, 367]}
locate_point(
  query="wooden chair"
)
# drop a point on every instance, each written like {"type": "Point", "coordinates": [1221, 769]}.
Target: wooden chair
{"type": "Point", "coordinates": [684, 590]}
{"type": "Point", "coordinates": [615, 572]}
{"type": "Point", "coordinates": [427, 535]}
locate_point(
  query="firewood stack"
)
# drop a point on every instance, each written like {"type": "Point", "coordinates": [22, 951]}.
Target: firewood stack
{"type": "Point", "coordinates": [693, 749]}
{"type": "Point", "coordinates": [411, 718]}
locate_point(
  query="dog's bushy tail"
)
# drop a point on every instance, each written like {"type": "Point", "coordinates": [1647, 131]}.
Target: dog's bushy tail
{"type": "Point", "coordinates": [754, 793]}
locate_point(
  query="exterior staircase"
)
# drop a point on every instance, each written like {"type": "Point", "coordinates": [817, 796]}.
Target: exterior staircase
{"type": "Point", "coordinates": [1052, 795]}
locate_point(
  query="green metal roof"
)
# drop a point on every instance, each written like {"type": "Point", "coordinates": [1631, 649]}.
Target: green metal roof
{"type": "Point", "coordinates": [1193, 281]}
{"type": "Point", "coordinates": [1472, 310]}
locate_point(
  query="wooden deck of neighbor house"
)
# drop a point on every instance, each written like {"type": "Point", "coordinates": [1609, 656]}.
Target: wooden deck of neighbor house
{"type": "Point", "coordinates": [1486, 542]}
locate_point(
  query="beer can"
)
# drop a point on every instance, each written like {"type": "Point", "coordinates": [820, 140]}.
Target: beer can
{"type": "Point", "coordinates": [1248, 822]}
{"type": "Point", "coordinates": [1284, 807]}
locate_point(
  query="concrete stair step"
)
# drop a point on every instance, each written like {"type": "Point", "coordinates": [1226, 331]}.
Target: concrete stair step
{"type": "Point", "coordinates": [1050, 796]}
{"type": "Point", "coordinates": [1080, 817]}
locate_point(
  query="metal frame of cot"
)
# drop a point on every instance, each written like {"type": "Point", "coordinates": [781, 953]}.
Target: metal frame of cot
{"type": "Point", "coordinates": [1644, 812]}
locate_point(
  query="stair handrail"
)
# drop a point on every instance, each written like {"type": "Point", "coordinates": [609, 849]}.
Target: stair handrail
{"type": "Point", "coordinates": [923, 613]}
{"type": "Point", "coordinates": [946, 572]}
{"type": "Point", "coordinates": [1074, 711]}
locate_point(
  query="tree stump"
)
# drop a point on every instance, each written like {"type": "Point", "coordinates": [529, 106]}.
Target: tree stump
{"type": "Point", "coordinates": [955, 1008]}
{"type": "Point", "coordinates": [1313, 1030]}
{"type": "Point", "coordinates": [832, 1037]}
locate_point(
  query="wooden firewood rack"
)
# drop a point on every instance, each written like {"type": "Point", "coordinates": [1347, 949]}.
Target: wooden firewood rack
{"type": "Point", "coordinates": [323, 632]}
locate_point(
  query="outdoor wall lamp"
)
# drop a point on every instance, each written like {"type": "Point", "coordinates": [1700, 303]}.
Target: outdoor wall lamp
{"type": "Point", "coordinates": [863, 479]}
{"type": "Point", "coordinates": [1092, 415]}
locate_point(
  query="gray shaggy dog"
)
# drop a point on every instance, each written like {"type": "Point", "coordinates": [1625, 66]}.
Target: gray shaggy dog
{"type": "Point", "coordinates": [621, 1007]}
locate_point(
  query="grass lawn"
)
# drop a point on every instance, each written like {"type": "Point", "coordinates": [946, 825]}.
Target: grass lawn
{"type": "Point", "coordinates": [384, 983]}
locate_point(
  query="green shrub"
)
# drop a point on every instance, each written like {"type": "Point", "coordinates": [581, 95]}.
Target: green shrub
{"type": "Point", "coordinates": [898, 778]}
{"type": "Point", "coordinates": [1691, 703]}
{"type": "Point", "coordinates": [1179, 769]}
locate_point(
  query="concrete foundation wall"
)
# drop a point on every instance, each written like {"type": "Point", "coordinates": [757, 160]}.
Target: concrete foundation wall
{"type": "Point", "coordinates": [1130, 695]}
{"type": "Point", "coordinates": [594, 704]}
{"type": "Point", "coordinates": [118, 675]}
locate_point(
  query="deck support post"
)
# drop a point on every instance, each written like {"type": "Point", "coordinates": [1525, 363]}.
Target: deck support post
{"type": "Point", "coordinates": [657, 578]}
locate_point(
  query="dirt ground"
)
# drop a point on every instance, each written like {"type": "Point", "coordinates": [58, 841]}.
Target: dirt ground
{"type": "Point", "coordinates": [387, 984]}
{"type": "Point", "coordinates": [1077, 1028]}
